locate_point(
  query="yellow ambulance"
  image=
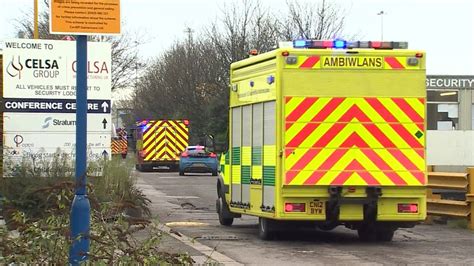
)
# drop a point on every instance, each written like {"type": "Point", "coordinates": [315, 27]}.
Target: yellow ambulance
{"type": "Point", "coordinates": [327, 133]}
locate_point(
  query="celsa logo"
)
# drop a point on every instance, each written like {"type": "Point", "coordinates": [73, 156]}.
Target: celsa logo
{"type": "Point", "coordinates": [47, 121]}
{"type": "Point", "coordinates": [14, 68]}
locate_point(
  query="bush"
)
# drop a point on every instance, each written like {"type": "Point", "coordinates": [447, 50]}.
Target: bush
{"type": "Point", "coordinates": [37, 203]}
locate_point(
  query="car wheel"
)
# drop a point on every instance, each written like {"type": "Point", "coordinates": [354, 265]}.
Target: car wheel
{"type": "Point", "coordinates": [214, 173]}
{"type": "Point", "coordinates": [223, 220]}
{"type": "Point", "coordinates": [265, 229]}
{"type": "Point", "coordinates": [181, 173]}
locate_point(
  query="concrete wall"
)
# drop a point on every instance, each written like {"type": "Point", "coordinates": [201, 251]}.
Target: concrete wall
{"type": "Point", "coordinates": [450, 149]}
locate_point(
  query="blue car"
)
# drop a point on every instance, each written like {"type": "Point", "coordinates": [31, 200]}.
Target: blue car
{"type": "Point", "coordinates": [196, 159]}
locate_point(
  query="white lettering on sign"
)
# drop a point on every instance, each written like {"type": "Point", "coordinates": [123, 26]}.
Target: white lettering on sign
{"type": "Point", "coordinates": [450, 82]}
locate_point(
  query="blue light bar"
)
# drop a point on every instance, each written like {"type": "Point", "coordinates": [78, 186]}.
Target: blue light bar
{"type": "Point", "coordinates": [300, 43]}
{"type": "Point", "coordinates": [339, 44]}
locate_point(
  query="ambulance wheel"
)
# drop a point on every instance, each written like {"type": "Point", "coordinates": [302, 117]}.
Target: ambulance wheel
{"type": "Point", "coordinates": [385, 234]}
{"type": "Point", "coordinates": [265, 230]}
{"type": "Point", "coordinates": [367, 233]}
{"type": "Point", "coordinates": [223, 220]}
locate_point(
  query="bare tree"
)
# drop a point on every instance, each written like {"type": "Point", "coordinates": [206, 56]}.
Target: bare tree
{"type": "Point", "coordinates": [309, 20]}
{"type": "Point", "coordinates": [191, 78]}
{"type": "Point", "coordinates": [124, 47]}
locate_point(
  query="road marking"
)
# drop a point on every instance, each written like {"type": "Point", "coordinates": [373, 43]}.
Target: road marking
{"type": "Point", "coordinates": [183, 197]}
{"type": "Point", "coordinates": [206, 250]}
{"type": "Point", "coordinates": [186, 224]}
{"type": "Point", "coordinates": [209, 252]}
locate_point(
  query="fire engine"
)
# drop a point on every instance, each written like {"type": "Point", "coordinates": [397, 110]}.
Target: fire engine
{"type": "Point", "coordinates": [160, 143]}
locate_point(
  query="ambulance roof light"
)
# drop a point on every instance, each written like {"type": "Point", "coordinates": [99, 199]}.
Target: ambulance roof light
{"type": "Point", "coordinates": [342, 44]}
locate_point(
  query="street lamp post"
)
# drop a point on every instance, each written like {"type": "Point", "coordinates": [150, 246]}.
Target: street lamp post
{"type": "Point", "coordinates": [381, 14]}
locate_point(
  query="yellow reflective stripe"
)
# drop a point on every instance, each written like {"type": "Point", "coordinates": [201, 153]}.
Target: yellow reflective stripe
{"type": "Point", "coordinates": [236, 174]}
{"type": "Point", "coordinates": [257, 172]}
{"type": "Point", "coordinates": [246, 156]}
{"type": "Point", "coordinates": [269, 155]}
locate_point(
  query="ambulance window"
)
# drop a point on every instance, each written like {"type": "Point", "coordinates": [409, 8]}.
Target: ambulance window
{"type": "Point", "coordinates": [247, 126]}
{"type": "Point", "coordinates": [236, 131]}
{"type": "Point", "coordinates": [443, 110]}
{"type": "Point", "coordinates": [269, 123]}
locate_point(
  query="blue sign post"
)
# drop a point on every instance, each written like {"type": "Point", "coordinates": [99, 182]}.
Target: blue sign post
{"type": "Point", "coordinates": [80, 209]}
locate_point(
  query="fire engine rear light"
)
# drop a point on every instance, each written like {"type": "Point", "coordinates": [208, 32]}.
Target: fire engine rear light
{"type": "Point", "coordinates": [407, 208]}
{"type": "Point", "coordinates": [186, 122]}
{"type": "Point", "coordinates": [295, 207]}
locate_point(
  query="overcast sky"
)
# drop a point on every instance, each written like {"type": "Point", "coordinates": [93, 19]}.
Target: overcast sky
{"type": "Point", "coordinates": [443, 28]}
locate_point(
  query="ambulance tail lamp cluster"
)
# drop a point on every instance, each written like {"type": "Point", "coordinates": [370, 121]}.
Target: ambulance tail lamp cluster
{"type": "Point", "coordinates": [295, 207]}
{"type": "Point", "coordinates": [342, 44]}
{"type": "Point", "coordinates": [407, 208]}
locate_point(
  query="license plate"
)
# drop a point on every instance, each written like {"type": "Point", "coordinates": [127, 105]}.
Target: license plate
{"type": "Point", "coordinates": [199, 165]}
{"type": "Point", "coordinates": [316, 207]}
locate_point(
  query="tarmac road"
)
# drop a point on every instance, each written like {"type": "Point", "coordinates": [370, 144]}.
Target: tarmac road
{"type": "Point", "coordinates": [187, 205]}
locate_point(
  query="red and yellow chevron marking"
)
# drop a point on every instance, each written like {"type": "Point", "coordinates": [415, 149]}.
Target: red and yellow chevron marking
{"type": "Point", "coordinates": [352, 62]}
{"type": "Point", "coordinates": [354, 141]}
{"type": "Point", "coordinates": [119, 146]}
{"type": "Point", "coordinates": [307, 62]}
{"type": "Point", "coordinates": [164, 140]}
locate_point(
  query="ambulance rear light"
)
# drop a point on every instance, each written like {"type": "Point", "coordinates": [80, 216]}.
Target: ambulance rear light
{"type": "Point", "coordinates": [342, 44]}
{"type": "Point", "coordinates": [407, 208]}
{"type": "Point", "coordinates": [295, 207]}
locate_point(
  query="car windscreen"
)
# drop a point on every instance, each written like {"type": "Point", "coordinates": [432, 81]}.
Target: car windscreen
{"type": "Point", "coordinates": [198, 153]}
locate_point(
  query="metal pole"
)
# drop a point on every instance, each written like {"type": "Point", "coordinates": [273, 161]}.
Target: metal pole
{"type": "Point", "coordinates": [80, 209]}
{"type": "Point", "coordinates": [35, 32]}
{"type": "Point", "coordinates": [381, 13]}
{"type": "Point", "coordinates": [381, 26]}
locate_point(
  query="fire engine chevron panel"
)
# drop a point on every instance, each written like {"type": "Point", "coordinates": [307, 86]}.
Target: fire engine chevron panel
{"type": "Point", "coordinates": [327, 133]}
{"type": "Point", "coordinates": [160, 142]}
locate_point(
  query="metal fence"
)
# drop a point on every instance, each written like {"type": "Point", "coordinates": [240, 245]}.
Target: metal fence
{"type": "Point", "coordinates": [451, 194]}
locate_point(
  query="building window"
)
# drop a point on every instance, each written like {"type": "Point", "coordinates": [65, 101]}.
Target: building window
{"type": "Point", "coordinates": [443, 109]}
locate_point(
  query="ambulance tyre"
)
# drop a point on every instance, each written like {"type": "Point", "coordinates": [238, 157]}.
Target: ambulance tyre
{"type": "Point", "coordinates": [265, 230]}
{"type": "Point", "coordinates": [367, 233]}
{"type": "Point", "coordinates": [385, 234]}
{"type": "Point", "coordinates": [223, 219]}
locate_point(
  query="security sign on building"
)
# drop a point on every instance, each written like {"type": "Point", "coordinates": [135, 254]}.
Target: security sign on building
{"type": "Point", "coordinates": [39, 79]}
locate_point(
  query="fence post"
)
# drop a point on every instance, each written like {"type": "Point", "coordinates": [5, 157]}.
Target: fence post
{"type": "Point", "coordinates": [470, 195]}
